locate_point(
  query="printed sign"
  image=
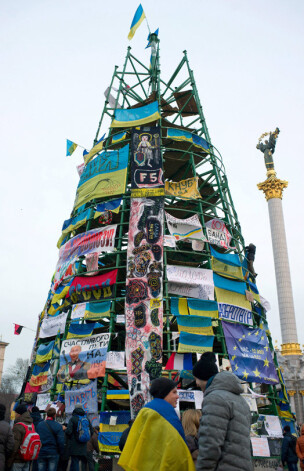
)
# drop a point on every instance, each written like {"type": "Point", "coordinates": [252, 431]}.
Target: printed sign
{"type": "Point", "coordinates": [85, 397]}
{"type": "Point", "coordinates": [189, 228]}
{"type": "Point", "coordinates": [196, 282]}
{"type": "Point", "coordinates": [183, 189]}
{"type": "Point", "coordinates": [83, 358]}
{"type": "Point", "coordinates": [218, 234]}
{"type": "Point", "coordinates": [50, 325]}
{"type": "Point", "coordinates": [235, 313]}
{"type": "Point", "coordinates": [260, 446]}
{"type": "Point", "coordinates": [116, 360]}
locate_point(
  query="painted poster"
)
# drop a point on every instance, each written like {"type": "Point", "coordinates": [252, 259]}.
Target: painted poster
{"type": "Point", "coordinates": [218, 234]}
{"type": "Point", "coordinates": [50, 325]}
{"type": "Point", "coordinates": [43, 400]}
{"type": "Point", "coordinates": [83, 358]}
{"type": "Point", "coordinates": [189, 228]}
{"type": "Point", "coordinates": [187, 189]}
{"type": "Point", "coordinates": [143, 309]}
{"type": "Point", "coordinates": [94, 241]}
{"type": "Point", "coordinates": [196, 282]}
{"type": "Point", "coordinates": [85, 397]}
{"type": "Point", "coordinates": [235, 313]}
{"type": "Point", "coordinates": [146, 164]}
{"type": "Point", "coordinates": [103, 176]}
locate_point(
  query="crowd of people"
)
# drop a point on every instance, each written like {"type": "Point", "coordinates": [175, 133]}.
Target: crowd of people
{"type": "Point", "coordinates": [217, 438]}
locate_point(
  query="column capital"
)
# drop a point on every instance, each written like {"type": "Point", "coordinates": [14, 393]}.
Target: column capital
{"type": "Point", "coordinates": [272, 187]}
{"type": "Point", "coordinates": [301, 392]}
{"type": "Point", "coordinates": [291, 393]}
{"type": "Point", "coordinates": [291, 349]}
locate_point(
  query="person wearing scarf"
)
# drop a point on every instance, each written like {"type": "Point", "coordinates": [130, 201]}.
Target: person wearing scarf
{"type": "Point", "coordinates": [156, 440]}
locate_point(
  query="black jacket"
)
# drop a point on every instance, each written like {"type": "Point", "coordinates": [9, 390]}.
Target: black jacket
{"type": "Point", "coordinates": [76, 448]}
{"type": "Point", "coordinates": [287, 454]}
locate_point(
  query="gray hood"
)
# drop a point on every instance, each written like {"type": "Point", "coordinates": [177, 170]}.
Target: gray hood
{"type": "Point", "coordinates": [225, 381]}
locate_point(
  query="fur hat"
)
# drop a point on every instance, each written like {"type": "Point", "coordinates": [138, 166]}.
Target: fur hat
{"type": "Point", "coordinates": [160, 387]}
{"type": "Point", "coordinates": [205, 367]}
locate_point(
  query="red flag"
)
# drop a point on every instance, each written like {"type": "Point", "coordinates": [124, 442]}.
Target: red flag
{"type": "Point", "coordinates": [18, 329]}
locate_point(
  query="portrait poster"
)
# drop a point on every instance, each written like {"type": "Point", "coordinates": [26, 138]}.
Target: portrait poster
{"type": "Point", "coordinates": [83, 358]}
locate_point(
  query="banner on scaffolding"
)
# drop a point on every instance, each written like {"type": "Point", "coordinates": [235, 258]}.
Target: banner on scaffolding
{"type": "Point", "coordinates": [189, 228]}
{"type": "Point", "coordinates": [104, 176]}
{"type": "Point", "coordinates": [146, 163]}
{"type": "Point", "coordinates": [196, 282]}
{"type": "Point", "coordinates": [85, 397]}
{"type": "Point", "coordinates": [187, 189]}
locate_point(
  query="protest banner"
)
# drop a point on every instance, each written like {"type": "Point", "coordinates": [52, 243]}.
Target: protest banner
{"type": "Point", "coordinates": [260, 446]}
{"type": "Point", "coordinates": [196, 282]}
{"type": "Point", "coordinates": [235, 313]}
{"type": "Point", "coordinates": [50, 325]}
{"type": "Point", "coordinates": [83, 358]}
{"type": "Point", "coordinates": [43, 400]}
{"type": "Point", "coordinates": [218, 234]}
{"type": "Point", "coordinates": [85, 397]}
{"type": "Point", "coordinates": [189, 228]}
{"type": "Point", "coordinates": [183, 189]}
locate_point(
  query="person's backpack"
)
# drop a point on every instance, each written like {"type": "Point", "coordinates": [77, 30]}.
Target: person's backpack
{"type": "Point", "coordinates": [83, 429]}
{"type": "Point", "coordinates": [293, 444]}
{"type": "Point", "coordinates": [30, 447]}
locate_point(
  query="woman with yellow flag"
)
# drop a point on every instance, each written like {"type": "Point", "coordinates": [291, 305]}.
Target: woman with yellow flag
{"type": "Point", "coordinates": [156, 441]}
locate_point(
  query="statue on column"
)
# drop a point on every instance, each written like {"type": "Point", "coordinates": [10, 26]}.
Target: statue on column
{"type": "Point", "coordinates": [268, 148]}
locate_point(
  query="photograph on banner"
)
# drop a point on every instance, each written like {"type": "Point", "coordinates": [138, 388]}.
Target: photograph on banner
{"type": "Point", "coordinates": [196, 282]}
{"type": "Point", "coordinates": [218, 234]}
{"type": "Point", "coordinates": [83, 358]}
{"type": "Point", "coordinates": [235, 313]}
{"type": "Point", "coordinates": [146, 162]}
{"type": "Point", "coordinates": [184, 189]}
{"type": "Point", "coordinates": [189, 228]}
{"type": "Point", "coordinates": [94, 241]}
{"type": "Point", "coordinates": [104, 176]}
{"type": "Point", "coordinates": [85, 397]}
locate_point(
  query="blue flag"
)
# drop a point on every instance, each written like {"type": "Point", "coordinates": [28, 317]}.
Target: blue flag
{"type": "Point", "coordinates": [137, 21]}
{"type": "Point", "coordinates": [249, 354]}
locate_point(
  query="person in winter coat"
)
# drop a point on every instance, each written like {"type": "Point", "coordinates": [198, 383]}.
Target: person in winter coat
{"type": "Point", "coordinates": [288, 455]}
{"type": "Point", "coordinates": [36, 416]}
{"type": "Point", "coordinates": [52, 441]}
{"type": "Point", "coordinates": [22, 416]}
{"type": "Point", "coordinates": [300, 448]}
{"type": "Point", "coordinates": [124, 435]}
{"type": "Point", "coordinates": [78, 450]}
{"type": "Point", "coordinates": [190, 423]}
{"type": "Point", "coordinates": [6, 439]}
{"type": "Point", "coordinates": [224, 431]}
{"type": "Point", "coordinates": [92, 445]}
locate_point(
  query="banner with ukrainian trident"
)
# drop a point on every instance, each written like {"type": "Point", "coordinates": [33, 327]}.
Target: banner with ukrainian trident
{"type": "Point", "coordinates": [146, 163]}
{"type": "Point", "coordinates": [249, 353]}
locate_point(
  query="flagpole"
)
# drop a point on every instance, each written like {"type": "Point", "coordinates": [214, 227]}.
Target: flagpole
{"type": "Point", "coordinates": [148, 25]}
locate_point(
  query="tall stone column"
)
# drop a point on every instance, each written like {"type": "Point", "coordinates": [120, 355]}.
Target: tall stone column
{"type": "Point", "coordinates": [273, 190]}
{"type": "Point", "coordinates": [3, 346]}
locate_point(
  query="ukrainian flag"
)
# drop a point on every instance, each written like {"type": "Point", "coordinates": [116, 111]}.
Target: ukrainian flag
{"type": "Point", "coordinates": [195, 343]}
{"type": "Point", "coordinates": [201, 307]}
{"type": "Point", "coordinates": [87, 156]}
{"type": "Point", "coordinates": [40, 374]}
{"type": "Point", "coordinates": [227, 265]}
{"type": "Point", "coordinates": [118, 394]}
{"type": "Point", "coordinates": [136, 116]}
{"type": "Point", "coordinates": [195, 324]}
{"type": "Point", "coordinates": [137, 21]}
{"type": "Point", "coordinates": [44, 352]}
{"type": "Point", "coordinates": [179, 306]}
{"type": "Point", "coordinates": [80, 330]}
{"type": "Point", "coordinates": [72, 224]}
{"type": "Point", "coordinates": [71, 146]}
{"type": "Point", "coordinates": [119, 137]}
{"type": "Point", "coordinates": [97, 310]}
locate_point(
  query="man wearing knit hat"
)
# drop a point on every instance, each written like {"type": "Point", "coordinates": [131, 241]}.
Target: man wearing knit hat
{"type": "Point", "coordinates": [15, 460]}
{"type": "Point", "coordinates": [224, 432]}
{"type": "Point", "coordinates": [156, 441]}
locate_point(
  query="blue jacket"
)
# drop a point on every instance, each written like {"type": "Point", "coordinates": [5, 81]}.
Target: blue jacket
{"type": "Point", "coordinates": [52, 440]}
{"type": "Point", "coordinates": [288, 456]}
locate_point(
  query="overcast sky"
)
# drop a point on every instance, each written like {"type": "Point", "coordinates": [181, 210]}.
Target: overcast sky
{"type": "Point", "coordinates": [57, 58]}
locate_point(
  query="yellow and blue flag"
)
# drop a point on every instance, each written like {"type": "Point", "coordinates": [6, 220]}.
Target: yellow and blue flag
{"type": "Point", "coordinates": [195, 343]}
{"type": "Point", "coordinates": [137, 21]}
{"type": "Point", "coordinates": [40, 374]}
{"type": "Point", "coordinates": [195, 324]}
{"type": "Point", "coordinates": [80, 330]}
{"type": "Point", "coordinates": [88, 156]}
{"type": "Point", "coordinates": [109, 435]}
{"type": "Point", "coordinates": [118, 137]}
{"type": "Point", "coordinates": [136, 116]}
{"type": "Point", "coordinates": [179, 306]}
{"type": "Point", "coordinates": [44, 352]}
{"type": "Point", "coordinates": [116, 394]}
{"type": "Point", "coordinates": [202, 307]}
{"type": "Point", "coordinates": [71, 147]}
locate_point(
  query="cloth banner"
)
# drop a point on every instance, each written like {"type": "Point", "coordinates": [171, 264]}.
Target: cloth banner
{"type": "Point", "coordinates": [80, 330]}
{"type": "Point", "coordinates": [113, 205]}
{"type": "Point", "coordinates": [39, 374]}
{"type": "Point", "coordinates": [249, 353]}
{"type": "Point", "coordinates": [104, 176]}
{"type": "Point", "coordinates": [144, 307]}
{"type": "Point", "coordinates": [230, 297]}
{"type": "Point", "coordinates": [189, 228]}
{"type": "Point", "coordinates": [228, 265]}
{"type": "Point", "coordinates": [196, 282]}
{"type": "Point", "coordinates": [182, 135]}
{"type": "Point", "coordinates": [43, 400]}
{"type": "Point", "coordinates": [93, 288]}
{"type": "Point", "coordinates": [185, 189]}
{"type": "Point", "coordinates": [118, 137]}
{"type": "Point", "coordinates": [85, 397]}
{"type": "Point", "coordinates": [84, 358]}
{"type": "Point", "coordinates": [44, 352]}
{"type": "Point", "coordinates": [218, 234]}
{"type": "Point", "coordinates": [136, 116]}
{"type": "Point", "coordinates": [112, 424]}
{"type": "Point", "coordinates": [115, 360]}
{"type": "Point", "coordinates": [146, 162]}
{"type": "Point", "coordinates": [234, 313]}
{"type": "Point", "coordinates": [73, 223]}
{"type": "Point", "coordinates": [201, 307]}
{"type": "Point", "coordinates": [91, 311]}
{"type": "Point", "coordinates": [195, 324]}
{"type": "Point", "coordinates": [51, 324]}
{"type": "Point", "coordinates": [92, 263]}
{"type": "Point", "coordinates": [195, 343]}
{"type": "Point", "coordinates": [180, 362]}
